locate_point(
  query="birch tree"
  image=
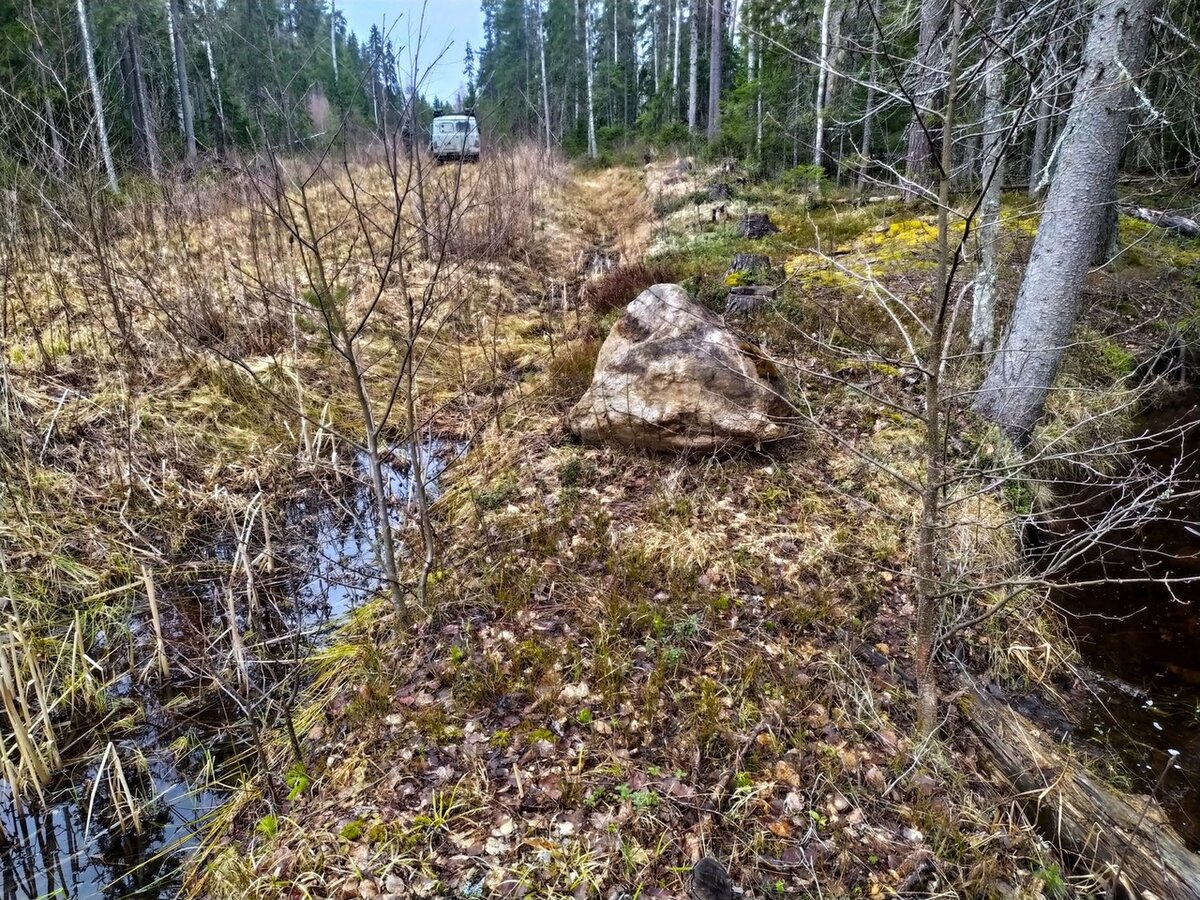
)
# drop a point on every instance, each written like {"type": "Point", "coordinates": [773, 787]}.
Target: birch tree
{"type": "Point", "coordinates": [541, 36]}
{"type": "Point", "coordinates": [97, 100]}
{"type": "Point", "coordinates": [675, 55]}
{"type": "Point", "coordinates": [1023, 371]}
{"type": "Point", "coordinates": [591, 90]}
{"type": "Point", "coordinates": [822, 83]}
{"type": "Point", "coordinates": [693, 63]}
{"type": "Point", "coordinates": [333, 37]}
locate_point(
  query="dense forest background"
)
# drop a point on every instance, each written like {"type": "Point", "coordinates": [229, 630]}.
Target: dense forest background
{"type": "Point", "coordinates": [778, 83]}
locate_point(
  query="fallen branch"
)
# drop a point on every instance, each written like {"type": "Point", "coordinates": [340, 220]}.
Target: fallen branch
{"type": "Point", "coordinates": [1170, 221]}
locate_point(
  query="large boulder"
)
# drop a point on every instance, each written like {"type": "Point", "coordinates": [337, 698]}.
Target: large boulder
{"type": "Point", "coordinates": [671, 376]}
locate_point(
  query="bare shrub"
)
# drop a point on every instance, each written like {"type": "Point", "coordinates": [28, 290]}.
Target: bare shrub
{"type": "Point", "coordinates": [502, 204]}
{"type": "Point", "coordinates": [619, 286]}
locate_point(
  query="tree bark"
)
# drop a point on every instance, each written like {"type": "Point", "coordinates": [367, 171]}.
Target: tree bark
{"type": "Point", "coordinates": [822, 82]}
{"type": "Point", "coordinates": [1127, 838]}
{"type": "Point", "coordinates": [929, 556]}
{"type": "Point", "coordinates": [222, 137]}
{"type": "Point", "coordinates": [929, 81]}
{"type": "Point", "coordinates": [587, 64]}
{"type": "Point", "coordinates": [97, 100]}
{"type": "Point", "coordinates": [869, 109]}
{"type": "Point", "coordinates": [140, 154]}
{"type": "Point", "coordinates": [1023, 371]}
{"type": "Point", "coordinates": [983, 309]}
{"type": "Point", "coordinates": [693, 63]}
{"type": "Point", "coordinates": [179, 49]}
{"type": "Point", "coordinates": [714, 70]}
{"type": "Point", "coordinates": [545, 85]}
{"type": "Point", "coordinates": [1106, 245]}
{"type": "Point", "coordinates": [333, 37]}
{"type": "Point", "coordinates": [1037, 156]}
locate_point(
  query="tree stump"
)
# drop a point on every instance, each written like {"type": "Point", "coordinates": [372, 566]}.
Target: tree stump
{"type": "Point", "coordinates": [756, 225]}
{"type": "Point", "coordinates": [748, 300]}
{"type": "Point", "coordinates": [749, 262]}
{"type": "Point", "coordinates": [720, 191]}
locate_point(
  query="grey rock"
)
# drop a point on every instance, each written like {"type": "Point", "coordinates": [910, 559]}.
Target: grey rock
{"type": "Point", "coordinates": [671, 376]}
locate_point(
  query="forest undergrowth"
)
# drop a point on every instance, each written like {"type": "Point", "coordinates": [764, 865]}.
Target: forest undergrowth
{"type": "Point", "coordinates": [626, 660]}
{"type": "Point", "coordinates": [634, 660]}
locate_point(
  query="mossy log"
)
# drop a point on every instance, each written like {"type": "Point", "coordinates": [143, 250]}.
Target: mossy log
{"type": "Point", "coordinates": [1120, 836]}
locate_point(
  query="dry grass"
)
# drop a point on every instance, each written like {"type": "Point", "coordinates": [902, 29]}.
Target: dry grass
{"type": "Point", "coordinates": [629, 660]}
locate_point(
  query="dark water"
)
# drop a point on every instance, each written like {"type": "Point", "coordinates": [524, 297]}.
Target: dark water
{"type": "Point", "coordinates": [55, 849]}
{"type": "Point", "coordinates": [1136, 614]}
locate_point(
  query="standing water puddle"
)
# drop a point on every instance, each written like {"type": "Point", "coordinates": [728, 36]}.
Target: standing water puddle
{"type": "Point", "coordinates": [1134, 609]}
{"type": "Point", "coordinates": [52, 850]}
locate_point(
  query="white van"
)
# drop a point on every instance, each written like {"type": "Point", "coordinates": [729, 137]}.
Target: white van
{"type": "Point", "coordinates": [454, 137]}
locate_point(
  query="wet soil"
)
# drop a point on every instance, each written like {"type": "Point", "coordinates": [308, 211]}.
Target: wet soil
{"type": "Point", "coordinates": [69, 846]}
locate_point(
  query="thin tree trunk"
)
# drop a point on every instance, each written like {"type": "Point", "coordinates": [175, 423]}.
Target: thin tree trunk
{"type": "Point", "coordinates": [758, 104]}
{"type": "Point", "coordinates": [714, 70]}
{"type": "Point", "coordinates": [1023, 371]}
{"type": "Point", "coordinates": [141, 151]}
{"type": "Point", "coordinates": [822, 81]}
{"type": "Point", "coordinates": [675, 58]}
{"type": "Point", "coordinates": [545, 84]}
{"type": "Point", "coordinates": [919, 150]}
{"type": "Point", "coordinates": [869, 110]}
{"type": "Point", "coordinates": [97, 99]}
{"type": "Point", "coordinates": [56, 145]}
{"type": "Point", "coordinates": [175, 23]}
{"type": "Point", "coordinates": [333, 37]}
{"type": "Point", "coordinates": [591, 91]}
{"type": "Point", "coordinates": [983, 309]}
{"type": "Point", "coordinates": [693, 63]}
{"type": "Point", "coordinates": [216, 83]}
{"type": "Point", "coordinates": [139, 78]}
{"type": "Point", "coordinates": [928, 551]}
{"type": "Point", "coordinates": [654, 45]}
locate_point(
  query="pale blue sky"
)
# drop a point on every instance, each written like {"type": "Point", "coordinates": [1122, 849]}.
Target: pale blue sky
{"type": "Point", "coordinates": [449, 25]}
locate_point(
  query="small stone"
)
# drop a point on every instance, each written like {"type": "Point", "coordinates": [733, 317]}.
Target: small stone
{"type": "Point", "coordinates": [912, 835]}
{"type": "Point", "coordinates": [924, 784]}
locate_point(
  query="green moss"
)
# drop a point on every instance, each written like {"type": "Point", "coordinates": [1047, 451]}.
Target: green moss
{"type": "Point", "coordinates": [1117, 359]}
{"type": "Point", "coordinates": [352, 831]}
{"type": "Point", "coordinates": [500, 492]}
{"type": "Point", "coordinates": [267, 826]}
